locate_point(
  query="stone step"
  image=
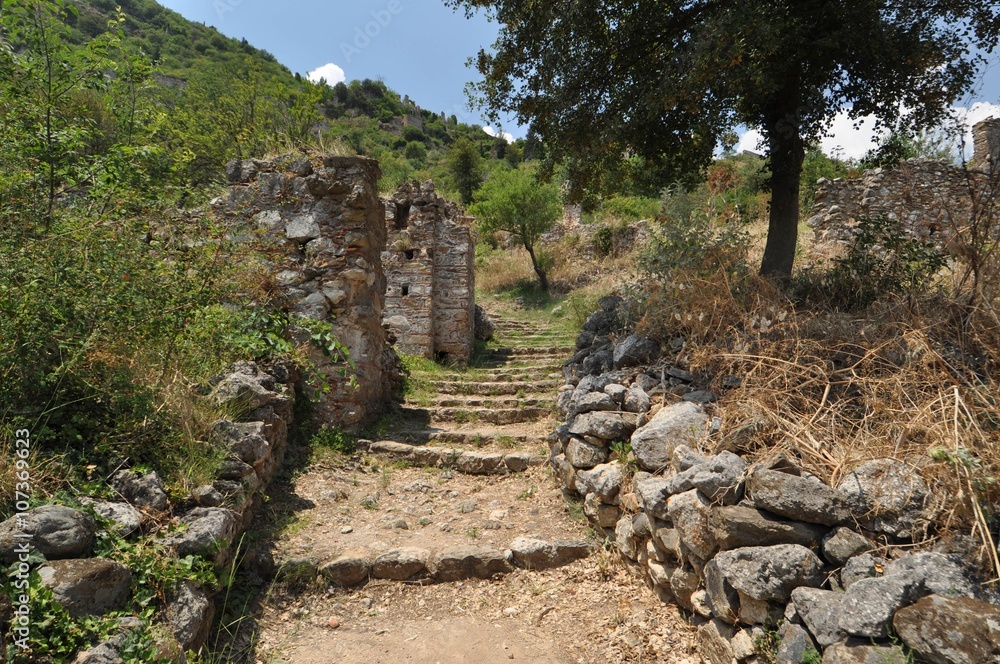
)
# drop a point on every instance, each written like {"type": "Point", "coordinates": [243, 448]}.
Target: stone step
{"type": "Point", "coordinates": [508, 351]}
{"type": "Point", "coordinates": [443, 565]}
{"type": "Point", "coordinates": [541, 400]}
{"type": "Point", "coordinates": [477, 438]}
{"type": "Point", "coordinates": [496, 388]}
{"type": "Point", "coordinates": [502, 377]}
{"type": "Point", "coordinates": [487, 415]}
{"type": "Point", "coordinates": [469, 462]}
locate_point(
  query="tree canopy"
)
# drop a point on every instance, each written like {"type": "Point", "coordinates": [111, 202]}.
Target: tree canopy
{"type": "Point", "coordinates": [665, 80]}
{"type": "Point", "coordinates": [514, 202]}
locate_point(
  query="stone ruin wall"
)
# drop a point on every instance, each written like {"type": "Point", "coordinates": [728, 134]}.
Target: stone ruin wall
{"type": "Point", "coordinates": [430, 266]}
{"type": "Point", "coordinates": [323, 234]}
{"type": "Point", "coordinates": [927, 198]}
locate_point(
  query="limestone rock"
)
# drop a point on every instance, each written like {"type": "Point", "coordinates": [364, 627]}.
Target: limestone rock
{"type": "Point", "coordinates": [596, 509]}
{"type": "Point", "coordinates": [190, 613]}
{"type": "Point", "coordinates": [583, 455]}
{"type": "Point", "coordinates": [55, 531]}
{"type": "Point", "coordinates": [681, 423]}
{"type": "Point", "coordinates": [713, 640]}
{"type": "Point", "coordinates": [635, 350]}
{"type": "Point", "coordinates": [653, 496]}
{"type": "Point", "coordinates": [625, 538]}
{"type": "Point", "coordinates": [143, 491]}
{"type": "Point", "coordinates": [820, 611]}
{"type": "Point", "coordinates": [951, 630]}
{"type": "Point", "coordinates": [739, 526]}
{"type": "Point", "coordinates": [88, 586]}
{"type": "Point", "coordinates": [533, 553]}
{"type": "Point", "coordinates": [603, 425]}
{"type": "Point", "coordinates": [247, 388]}
{"type": "Point", "coordinates": [767, 573]}
{"type": "Point", "coordinates": [861, 651]}
{"type": "Point", "coordinates": [591, 402]}
{"type": "Point", "coordinates": [126, 518]}
{"type": "Point", "coordinates": [798, 498]}
{"type": "Point", "coordinates": [684, 583]}
{"type": "Point", "coordinates": [467, 562]}
{"type": "Point", "coordinates": [843, 544]}
{"type": "Point", "coordinates": [719, 478]}
{"type": "Point", "coordinates": [207, 496]}
{"type": "Point", "coordinates": [400, 564]}
{"type": "Point", "coordinates": [636, 400]}
{"type": "Point", "coordinates": [795, 643]}
{"type": "Point", "coordinates": [484, 325]}
{"type": "Point", "coordinates": [861, 567]}
{"type": "Point", "coordinates": [348, 569]}
{"type": "Point", "coordinates": [887, 496]}
{"type": "Point", "coordinates": [246, 440]}
{"type": "Point", "coordinates": [210, 530]}
{"type": "Point", "coordinates": [691, 514]}
{"type": "Point", "coordinates": [604, 479]}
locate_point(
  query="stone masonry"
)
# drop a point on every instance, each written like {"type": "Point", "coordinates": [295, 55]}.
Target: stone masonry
{"type": "Point", "coordinates": [928, 198]}
{"type": "Point", "coordinates": [323, 233]}
{"type": "Point", "coordinates": [430, 266]}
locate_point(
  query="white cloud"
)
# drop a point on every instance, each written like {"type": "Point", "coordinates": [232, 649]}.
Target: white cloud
{"type": "Point", "coordinates": [493, 132]}
{"type": "Point", "coordinates": [329, 72]}
{"type": "Point", "coordinates": [753, 141]}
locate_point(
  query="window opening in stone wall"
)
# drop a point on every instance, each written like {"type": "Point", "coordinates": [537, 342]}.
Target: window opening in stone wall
{"type": "Point", "coordinates": [409, 253]}
{"type": "Point", "coordinates": [405, 290]}
{"type": "Point", "coordinates": [402, 216]}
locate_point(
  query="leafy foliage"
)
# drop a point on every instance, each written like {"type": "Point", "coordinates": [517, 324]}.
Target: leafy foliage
{"type": "Point", "coordinates": [514, 202]}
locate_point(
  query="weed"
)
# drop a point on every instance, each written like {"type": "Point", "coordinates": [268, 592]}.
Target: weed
{"type": "Point", "coordinates": [335, 439]}
{"type": "Point", "coordinates": [506, 442]}
{"type": "Point", "coordinates": [812, 656]}
{"type": "Point", "coordinates": [473, 533]}
{"type": "Point", "coordinates": [767, 643]}
{"type": "Point", "coordinates": [525, 494]}
{"type": "Point", "coordinates": [575, 510]}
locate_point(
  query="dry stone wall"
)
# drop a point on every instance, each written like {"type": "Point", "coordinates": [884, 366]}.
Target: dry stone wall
{"type": "Point", "coordinates": [756, 546]}
{"type": "Point", "coordinates": [430, 265]}
{"type": "Point", "coordinates": [929, 199]}
{"type": "Point", "coordinates": [322, 224]}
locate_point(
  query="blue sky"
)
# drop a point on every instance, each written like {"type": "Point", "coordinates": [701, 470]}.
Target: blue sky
{"type": "Point", "coordinates": [420, 48]}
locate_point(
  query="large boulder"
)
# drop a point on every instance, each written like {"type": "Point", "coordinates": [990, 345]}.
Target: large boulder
{"type": "Point", "coordinates": [887, 496]}
{"type": "Point", "coordinates": [87, 586]}
{"type": "Point", "coordinates": [682, 423]}
{"type": "Point", "coordinates": [55, 531]}
{"type": "Point", "coordinates": [951, 630]}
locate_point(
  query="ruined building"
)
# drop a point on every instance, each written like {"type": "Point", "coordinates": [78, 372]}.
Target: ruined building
{"type": "Point", "coordinates": [319, 225]}
{"type": "Point", "coordinates": [927, 198]}
{"type": "Point", "coordinates": [430, 267]}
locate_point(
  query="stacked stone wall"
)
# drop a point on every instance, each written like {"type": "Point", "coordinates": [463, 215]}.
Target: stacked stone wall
{"type": "Point", "coordinates": [929, 199]}
{"type": "Point", "coordinates": [323, 227]}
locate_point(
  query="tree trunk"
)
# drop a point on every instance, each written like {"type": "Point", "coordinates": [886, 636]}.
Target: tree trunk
{"type": "Point", "coordinates": [543, 280]}
{"type": "Point", "coordinates": [787, 151]}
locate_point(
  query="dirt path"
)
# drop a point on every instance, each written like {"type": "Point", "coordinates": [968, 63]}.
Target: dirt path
{"type": "Point", "coordinates": [460, 469]}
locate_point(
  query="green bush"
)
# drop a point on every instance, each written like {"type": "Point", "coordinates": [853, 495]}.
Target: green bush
{"type": "Point", "coordinates": [333, 438]}
{"type": "Point", "coordinates": [883, 260]}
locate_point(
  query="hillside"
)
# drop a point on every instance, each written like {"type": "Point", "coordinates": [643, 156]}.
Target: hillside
{"type": "Point", "coordinates": [259, 106]}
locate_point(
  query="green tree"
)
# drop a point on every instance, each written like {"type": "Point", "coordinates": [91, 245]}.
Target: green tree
{"type": "Point", "coordinates": [667, 79]}
{"type": "Point", "coordinates": [465, 165]}
{"type": "Point", "coordinates": [513, 201]}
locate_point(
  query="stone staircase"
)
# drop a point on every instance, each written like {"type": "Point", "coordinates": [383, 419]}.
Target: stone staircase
{"type": "Point", "coordinates": [448, 525]}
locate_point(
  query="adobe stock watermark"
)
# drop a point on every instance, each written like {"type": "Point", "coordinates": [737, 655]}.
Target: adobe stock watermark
{"type": "Point", "coordinates": [20, 599]}
{"type": "Point", "coordinates": [223, 7]}
{"type": "Point", "coordinates": [364, 36]}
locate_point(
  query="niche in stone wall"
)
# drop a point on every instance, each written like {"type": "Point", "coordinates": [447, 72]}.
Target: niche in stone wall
{"type": "Point", "coordinates": [404, 290]}
{"type": "Point", "coordinates": [410, 254]}
{"type": "Point", "coordinates": [402, 216]}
